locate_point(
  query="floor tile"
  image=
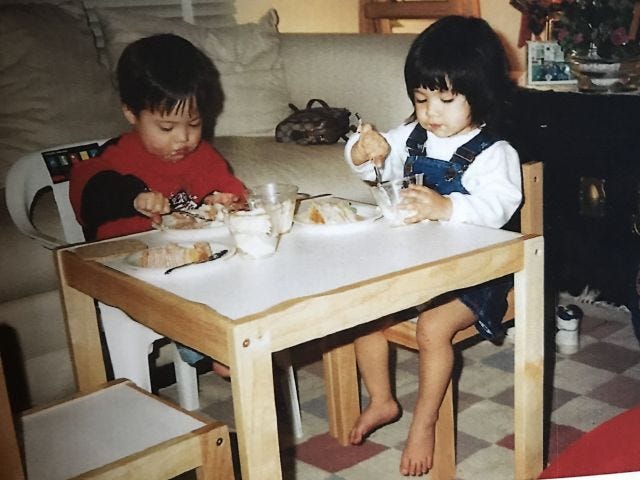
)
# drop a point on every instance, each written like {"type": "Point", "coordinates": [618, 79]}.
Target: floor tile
{"type": "Point", "coordinates": [385, 465]}
{"type": "Point", "coordinates": [607, 356]}
{"type": "Point", "coordinates": [579, 378]}
{"type": "Point", "coordinates": [502, 360]}
{"type": "Point", "coordinates": [599, 327]}
{"type": "Point", "coordinates": [560, 397]}
{"type": "Point", "coordinates": [560, 437]}
{"type": "Point", "coordinates": [625, 337]}
{"type": "Point", "coordinates": [584, 413]}
{"type": "Point", "coordinates": [467, 445]}
{"type": "Point", "coordinates": [483, 380]}
{"type": "Point", "coordinates": [486, 420]}
{"type": "Point", "coordinates": [324, 452]}
{"type": "Point", "coordinates": [620, 391]}
{"type": "Point", "coordinates": [493, 462]}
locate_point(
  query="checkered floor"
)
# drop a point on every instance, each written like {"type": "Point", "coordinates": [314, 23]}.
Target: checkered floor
{"type": "Point", "coordinates": [599, 381]}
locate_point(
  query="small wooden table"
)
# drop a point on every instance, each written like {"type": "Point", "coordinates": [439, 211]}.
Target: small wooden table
{"type": "Point", "coordinates": [320, 282]}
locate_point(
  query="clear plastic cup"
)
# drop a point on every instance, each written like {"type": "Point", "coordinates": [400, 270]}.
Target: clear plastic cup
{"type": "Point", "coordinates": [278, 200]}
{"type": "Point", "coordinates": [253, 232]}
{"type": "Point", "coordinates": [388, 196]}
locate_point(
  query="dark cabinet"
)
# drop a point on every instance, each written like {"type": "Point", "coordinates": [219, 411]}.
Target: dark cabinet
{"type": "Point", "coordinates": [590, 147]}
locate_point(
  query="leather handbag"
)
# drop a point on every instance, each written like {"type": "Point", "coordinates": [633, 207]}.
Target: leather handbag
{"type": "Point", "coordinates": [314, 125]}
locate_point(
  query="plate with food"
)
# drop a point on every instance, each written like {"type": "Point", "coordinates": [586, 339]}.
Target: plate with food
{"type": "Point", "coordinates": [193, 224]}
{"type": "Point", "coordinates": [335, 214]}
{"type": "Point", "coordinates": [173, 257]}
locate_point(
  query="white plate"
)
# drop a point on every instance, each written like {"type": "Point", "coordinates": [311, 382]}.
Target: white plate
{"type": "Point", "coordinates": [367, 213]}
{"type": "Point", "coordinates": [130, 263]}
{"type": "Point", "coordinates": [203, 231]}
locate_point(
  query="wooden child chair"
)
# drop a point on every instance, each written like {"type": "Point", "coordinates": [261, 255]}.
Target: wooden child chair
{"type": "Point", "coordinates": [404, 333]}
{"type": "Point", "coordinates": [339, 359]}
{"type": "Point", "coordinates": [116, 431]}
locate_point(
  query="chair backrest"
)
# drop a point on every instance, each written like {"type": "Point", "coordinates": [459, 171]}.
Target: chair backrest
{"type": "Point", "coordinates": [376, 15]}
{"type": "Point", "coordinates": [531, 212]}
{"type": "Point", "coordinates": [37, 171]}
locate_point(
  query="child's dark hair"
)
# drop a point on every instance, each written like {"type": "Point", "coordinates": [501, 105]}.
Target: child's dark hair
{"type": "Point", "coordinates": [465, 55]}
{"type": "Point", "coordinates": [162, 72]}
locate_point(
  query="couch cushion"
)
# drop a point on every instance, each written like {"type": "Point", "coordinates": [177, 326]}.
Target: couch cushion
{"type": "Point", "coordinates": [315, 169]}
{"type": "Point", "coordinates": [247, 57]}
{"type": "Point", "coordinates": [53, 89]}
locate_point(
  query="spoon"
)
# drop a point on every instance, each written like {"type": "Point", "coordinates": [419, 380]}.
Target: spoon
{"type": "Point", "coordinates": [210, 258]}
{"type": "Point", "coordinates": [378, 175]}
{"type": "Point", "coordinates": [376, 169]}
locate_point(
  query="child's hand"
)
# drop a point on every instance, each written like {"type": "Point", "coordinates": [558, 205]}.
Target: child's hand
{"type": "Point", "coordinates": [152, 205]}
{"type": "Point", "coordinates": [370, 146]}
{"type": "Point", "coordinates": [229, 200]}
{"type": "Point", "coordinates": [427, 203]}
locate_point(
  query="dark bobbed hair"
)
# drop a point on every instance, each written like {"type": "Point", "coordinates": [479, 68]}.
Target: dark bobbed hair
{"type": "Point", "coordinates": [465, 55]}
{"type": "Point", "coordinates": [163, 72]}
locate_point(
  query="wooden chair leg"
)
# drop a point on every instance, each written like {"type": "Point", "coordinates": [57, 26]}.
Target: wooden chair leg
{"type": "Point", "coordinates": [342, 393]}
{"type": "Point", "coordinates": [444, 455]}
{"type": "Point", "coordinates": [217, 463]}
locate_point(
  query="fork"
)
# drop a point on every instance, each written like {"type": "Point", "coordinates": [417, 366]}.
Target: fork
{"type": "Point", "coordinates": [190, 214]}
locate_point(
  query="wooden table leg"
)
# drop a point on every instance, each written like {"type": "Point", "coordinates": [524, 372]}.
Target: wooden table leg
{"type": "Point", "coordinates": [529, 362]}
{"type": "Point", "coordinates": [254, 406]}
{"type": "Point", "coordinates": [342, 393]}
{"type": "Point", "coordinates": [83, 336]}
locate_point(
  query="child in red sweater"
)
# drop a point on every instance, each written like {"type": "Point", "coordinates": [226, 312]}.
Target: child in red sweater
{"type": "Point", "coordinates": [170, 95]}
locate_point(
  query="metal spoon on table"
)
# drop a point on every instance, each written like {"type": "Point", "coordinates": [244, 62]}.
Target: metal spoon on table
{"type": "Point", "coordinates": [376, 169]}
{"type": "Point", "coordinates": [210, 258]}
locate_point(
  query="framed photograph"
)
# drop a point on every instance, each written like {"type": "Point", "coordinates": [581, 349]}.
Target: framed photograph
{"type": "Point", "coordinates": [546, 65]}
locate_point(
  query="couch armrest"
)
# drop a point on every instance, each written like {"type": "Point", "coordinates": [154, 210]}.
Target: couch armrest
{"type": "Point", "coordinates": [364, 73]}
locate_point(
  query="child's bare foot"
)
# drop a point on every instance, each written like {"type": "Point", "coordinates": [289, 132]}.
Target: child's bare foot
{"type": "Point", "coordinates": [374, 416]}
{"type": "Point", "coordinates": [221, 370]}
{"type": "Point", "coordinates": [417, 456]}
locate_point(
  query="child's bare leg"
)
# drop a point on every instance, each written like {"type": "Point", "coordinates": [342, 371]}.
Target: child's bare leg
{"type": "Point", "coordinates": [372, 354]}
{"type": "Point", "coordinates": [220, 369]}
{"type": "Point", "coordinates": [436, 328]}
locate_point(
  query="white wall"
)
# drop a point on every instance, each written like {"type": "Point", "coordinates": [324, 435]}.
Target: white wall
{"type": "Point", "coordinates": [341, 16]}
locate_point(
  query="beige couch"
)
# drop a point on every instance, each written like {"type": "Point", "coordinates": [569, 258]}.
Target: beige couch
{"type": "Point", "coordinates": [55, 91]}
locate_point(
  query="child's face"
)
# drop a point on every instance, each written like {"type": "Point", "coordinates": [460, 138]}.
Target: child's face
{"type": "Point", "coordinates": [442, 113]}
{"type": "Point", "coordinates": [170, 136]}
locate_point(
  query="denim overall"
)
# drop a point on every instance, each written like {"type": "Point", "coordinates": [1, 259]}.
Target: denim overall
{"type": "Point", "coordinates": [488, 300]}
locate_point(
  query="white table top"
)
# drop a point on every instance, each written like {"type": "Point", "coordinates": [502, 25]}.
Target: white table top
{"type": "Point", "coordinates": [309, 261]}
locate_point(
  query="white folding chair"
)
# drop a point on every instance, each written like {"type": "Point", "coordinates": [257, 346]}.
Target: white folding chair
{"type": "Point", "coordinates": [128, 341]}
{"type": "Point", "coordinates": [115, 431]}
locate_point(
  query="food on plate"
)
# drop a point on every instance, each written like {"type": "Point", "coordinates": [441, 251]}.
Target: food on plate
{"type": "Point", "coordinates": [173, 255]}
{"type": "Point", "coordinates": [332, 211]}
{"type": "Point", "coordinates": [199, 217]}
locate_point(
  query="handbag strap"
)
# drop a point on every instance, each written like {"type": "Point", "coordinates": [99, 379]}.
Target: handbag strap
{"type": "Point", "coordinates": [321, 102]}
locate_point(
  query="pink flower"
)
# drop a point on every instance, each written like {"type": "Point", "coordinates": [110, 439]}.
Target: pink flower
{"type": "Point", "coordinates": [578, 38]}
{"type": "Point", "coordinates": [619, 36]}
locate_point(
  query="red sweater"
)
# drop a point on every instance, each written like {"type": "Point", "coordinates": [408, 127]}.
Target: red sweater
{"type": "Point", "coordinates": [102, 189]}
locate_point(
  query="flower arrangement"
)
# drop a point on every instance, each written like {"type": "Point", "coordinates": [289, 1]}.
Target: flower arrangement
{"type": "Point", "coordinates": [606, 28]}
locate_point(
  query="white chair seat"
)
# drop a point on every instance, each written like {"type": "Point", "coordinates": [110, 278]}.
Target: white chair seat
{"type": "Point", "coordinates": [97, 429]}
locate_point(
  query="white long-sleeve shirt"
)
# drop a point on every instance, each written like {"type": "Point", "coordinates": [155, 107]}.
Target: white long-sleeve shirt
{"type": "Point", "coordinates": [493, 179]}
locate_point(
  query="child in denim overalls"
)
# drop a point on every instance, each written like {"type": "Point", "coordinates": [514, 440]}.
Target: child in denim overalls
{"type": "Point", "coordinates": [456, 75]}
